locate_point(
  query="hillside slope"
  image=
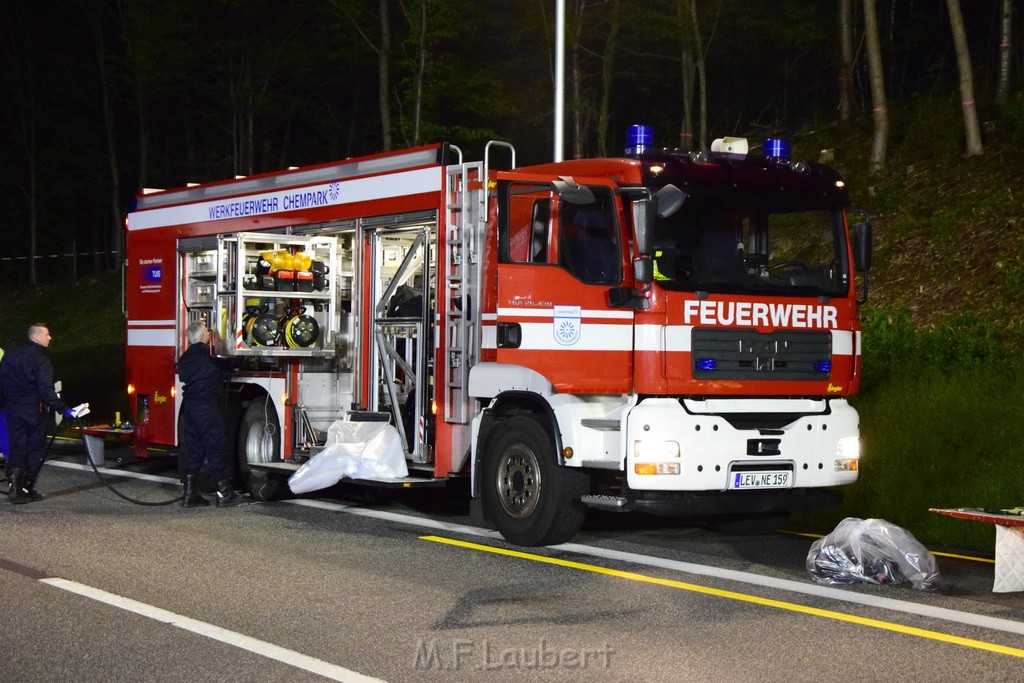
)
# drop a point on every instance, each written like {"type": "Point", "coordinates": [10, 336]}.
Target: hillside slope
{"type": "Point", "coordinates": [949, 230]}
{"type": "Point", "coordinates": [949, 248]}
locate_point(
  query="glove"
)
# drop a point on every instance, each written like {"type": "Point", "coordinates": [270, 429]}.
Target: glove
{"type": "Point", "coordinates": [77, 411]}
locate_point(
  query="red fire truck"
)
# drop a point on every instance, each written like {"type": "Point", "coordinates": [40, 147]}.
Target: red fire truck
{"type": "Point", "coordinates": [668, 331]}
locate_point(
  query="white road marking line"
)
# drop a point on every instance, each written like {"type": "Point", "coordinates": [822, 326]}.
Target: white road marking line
{"type": "Point", "coordinates": [811, 589]}
{"type": "Point", "coordinates": [114, 473]}
{"type": "Point", "coordinates": [423, 522]}
{"type": "Point", "coordinates": [243, 642]}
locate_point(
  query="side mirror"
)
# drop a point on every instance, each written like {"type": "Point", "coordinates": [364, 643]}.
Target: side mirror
{"type": "Point", "coordinates": [641, 213]}
{"type": "Point", "coordinates": [643, 270]}
{"type": "Point", "coordinates": [637, 299]}
{"type": "Point", "coordinates": [667, 200]}
{"type": "Point", "coordinates": [862, 245]}
{"type": "Point", "coordinates": [862, 251]}
{"type": "Point", "coordinates": [571, 191]}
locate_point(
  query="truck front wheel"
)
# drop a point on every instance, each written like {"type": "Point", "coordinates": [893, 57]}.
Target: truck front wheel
{"type": "Point", "coordinates": [259, 441]}
{"type": "Point", "coordinates": [529, 497]}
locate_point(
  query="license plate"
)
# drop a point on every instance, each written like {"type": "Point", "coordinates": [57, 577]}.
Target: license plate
{"type": "Point", "coordinates": [780, 479]}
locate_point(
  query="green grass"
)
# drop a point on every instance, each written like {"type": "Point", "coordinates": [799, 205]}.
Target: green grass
{"type": "Point", "coordinates": [941, 439]}
{"type": "Point", "coordinates": [942, 425]}
{"type": "Point", "coordinates": [88, 333]}
{"type": "Point", "coordinates": [942, 407]}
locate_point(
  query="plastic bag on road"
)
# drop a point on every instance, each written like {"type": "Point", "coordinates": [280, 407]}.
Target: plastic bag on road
{"type": "Point", "coordinates": [357, 450]}
{"type": "Point", "coordinates": [872, 551]}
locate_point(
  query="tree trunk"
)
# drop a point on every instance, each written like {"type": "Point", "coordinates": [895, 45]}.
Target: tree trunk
{"type": "Point", "coordinates": [577, 77]}
{"type": "Point", "coordinates": [608, 78]}
{"type": "Point", "coordinates": [33, 202]}
{"type": "Point", "coordinates": [21, 113]}
{"type": "Point", "coordinates": [1005, 53]}
{"type": "Point", "coordinates": [143, 174]}
{"type": "Point", "coordinates": [688, 73]}
{"type": "Point", "coordinates": [383, 71]}
{"type": "Point", "coordinates": [421, 68]}
{"type": "Point", "coordinates": [965, 69]}
{"type": "Point", "coordinates": [881, 116]}
{"type": "Point", "coordinates": [250, 132]}
{"type": "Point", "coordinates": [702, 81]}
{"type": "Point", "coordinates": [846, 59]}
{"type": "Point", "coordinates": [116, 227]}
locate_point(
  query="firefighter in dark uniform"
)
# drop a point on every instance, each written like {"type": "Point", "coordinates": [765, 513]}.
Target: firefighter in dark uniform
{"type": "Point", "coordinates": [203, 377]}
{"type": "Point", "coordinates": [26, 380]}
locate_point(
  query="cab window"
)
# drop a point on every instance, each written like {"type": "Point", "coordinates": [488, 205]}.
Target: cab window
{"type": "Point", "coordinates": [588, 240]}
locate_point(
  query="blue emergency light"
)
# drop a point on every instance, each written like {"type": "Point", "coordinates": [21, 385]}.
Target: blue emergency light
{"type": "Point", "coordinates": [706, 364]}
{"type": "Point", "coordinates": [776, 148]}
{"type": "Point", "coordinates": [638, 139]}
{"type": "Point", "coordinates": [823, 366]}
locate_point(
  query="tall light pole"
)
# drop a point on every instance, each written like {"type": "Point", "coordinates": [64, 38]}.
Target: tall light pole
{"type": "Point", "coordinates": [559, 78]}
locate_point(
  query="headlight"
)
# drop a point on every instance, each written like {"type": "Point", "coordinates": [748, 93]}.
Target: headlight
{"type": "Point", "coordinates": [848, 454]}
{"type": "Point", "coordinates": [656, 468]}
{"type": "Point", "coordinates": [848, 447]}
{"type": "Point", "coordinates": [656, 450]}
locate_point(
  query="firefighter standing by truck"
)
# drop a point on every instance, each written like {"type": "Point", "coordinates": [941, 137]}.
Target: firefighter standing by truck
{"type": "Point", "coordinates": [203, 377]}
{"type": "Point", "coordinates": [26, 380]}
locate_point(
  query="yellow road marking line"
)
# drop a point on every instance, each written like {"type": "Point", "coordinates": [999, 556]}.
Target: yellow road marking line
{"type": "Point", "coordinates": [742, 597]}
{"type": "Point", "coordinates": [972, 558]}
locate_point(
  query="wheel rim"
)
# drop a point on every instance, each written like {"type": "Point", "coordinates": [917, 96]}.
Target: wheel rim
{"type": "Point", "coordinates": [259, 443]}
{"type": "Point", "coordinates": [518, 481]}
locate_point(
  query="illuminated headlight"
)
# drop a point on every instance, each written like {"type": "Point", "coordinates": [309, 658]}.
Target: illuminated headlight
{"type": "Point", "coordinates": [848, 447]}
{"type": "Point", "coordinates": [655, 450]}
{"type": "Point", "coordinates": [656, 468]}
{"type": "Point", "coordinates": [848, 454]}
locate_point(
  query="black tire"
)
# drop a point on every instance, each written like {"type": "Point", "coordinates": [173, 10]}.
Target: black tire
{"type": "Point", "coordinates": [259, 442]}
{"type": "Point", "coordinates": [529, 497]}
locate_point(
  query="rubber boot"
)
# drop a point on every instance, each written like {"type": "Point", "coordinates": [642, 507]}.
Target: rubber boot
{"type": "Point", "coordinates": [29, 489]}
{"type": "Point", "coordinates": [16, 490]}
{"type": "Point", "coordinates": [227, 496]}
{"type": "Point", "coordinates": [192, 499]}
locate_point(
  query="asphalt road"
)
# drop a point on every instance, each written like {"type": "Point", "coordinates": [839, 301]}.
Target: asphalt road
{"type": "Point", "coordinates": [95, 588]}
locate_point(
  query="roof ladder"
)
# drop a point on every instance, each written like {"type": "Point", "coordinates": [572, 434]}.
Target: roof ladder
{"type": "Point", "coordinates": [464, 229]}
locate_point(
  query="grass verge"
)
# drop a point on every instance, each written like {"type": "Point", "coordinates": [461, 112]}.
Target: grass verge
{"type": "Point", "coordinates": [941, 408]}
{"type": "Point", "coordinates": [88, 332]}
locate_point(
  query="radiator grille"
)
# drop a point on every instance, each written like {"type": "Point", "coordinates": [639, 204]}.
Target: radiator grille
{"type": "Point", "coordinates": [748, 354]}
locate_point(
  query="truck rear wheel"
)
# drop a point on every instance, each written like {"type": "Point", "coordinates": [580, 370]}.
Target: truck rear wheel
{"type": "Point", "coordinates": [529, 497]}
{"type": "Point", "coordinates": [259, 442]}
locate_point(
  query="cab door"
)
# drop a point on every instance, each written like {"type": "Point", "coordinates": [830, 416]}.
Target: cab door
{"type": "Point", "coordinates": [561, 248]}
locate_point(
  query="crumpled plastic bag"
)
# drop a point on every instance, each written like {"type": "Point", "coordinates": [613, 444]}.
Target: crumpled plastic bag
{"type": "Point", "coordinates": [872, 551]}
{"type": "Point", "coordinates": [357, 450]}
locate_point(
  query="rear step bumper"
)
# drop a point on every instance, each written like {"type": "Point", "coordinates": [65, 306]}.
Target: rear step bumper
{"type": "Point", "coordinates": [717, 502]}
{"type": "Point", "coordinates": [288, 468]}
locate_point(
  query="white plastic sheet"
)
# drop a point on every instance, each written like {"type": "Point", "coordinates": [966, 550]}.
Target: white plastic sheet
{"type": "Point", "coordinates": [357, 450]}
{"type": "Point", "coordinates": [872, 551]}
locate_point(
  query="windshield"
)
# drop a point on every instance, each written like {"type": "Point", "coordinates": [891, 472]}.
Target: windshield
{"type": "Point", "coordinates": [704, 247]}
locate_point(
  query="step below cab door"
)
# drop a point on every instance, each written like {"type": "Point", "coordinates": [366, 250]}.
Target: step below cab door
{"type": "Point", "coordinates": [562, 246]}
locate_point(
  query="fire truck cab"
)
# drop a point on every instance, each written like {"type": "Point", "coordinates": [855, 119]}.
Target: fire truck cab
{"type": "Point", "coordinates": [665, 331]}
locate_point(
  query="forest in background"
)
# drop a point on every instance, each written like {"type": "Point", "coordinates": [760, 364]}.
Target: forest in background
{"type": "Point", "coordinates": [104, 97]}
